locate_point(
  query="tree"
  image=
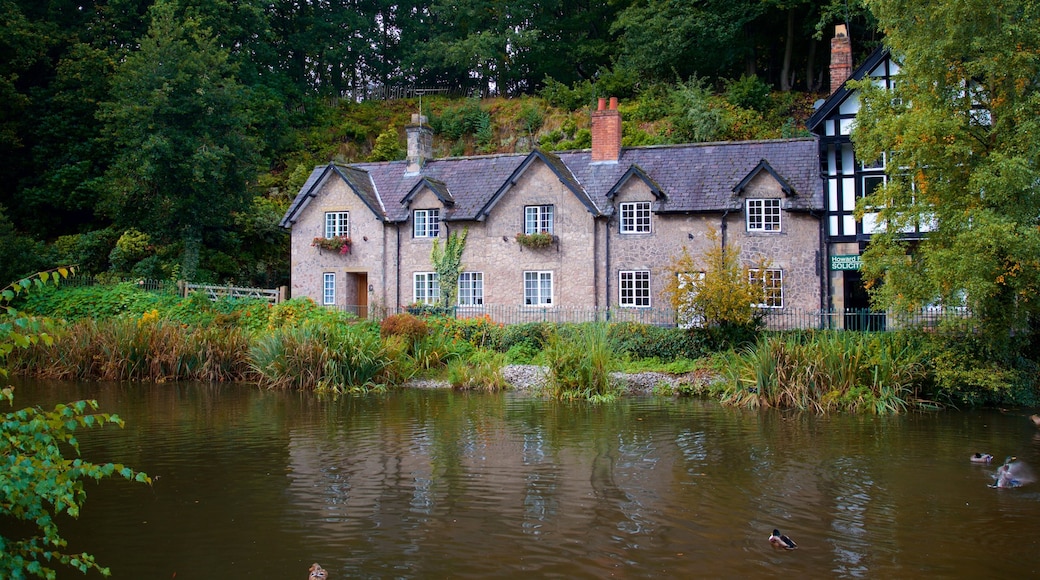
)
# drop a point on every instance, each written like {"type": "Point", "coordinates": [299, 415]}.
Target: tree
{"type": "Point", "coordinates": [715, 291]}
{"type": "Point", "coordinates": [184, 147]}
{"type": "Point", "coordinates": [37, 481]}
{"type": "Point", "coordinates": [961, 136]}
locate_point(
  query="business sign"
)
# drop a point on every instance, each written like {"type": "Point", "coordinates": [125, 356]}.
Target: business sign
{"type": "Point", "coordinates": [846, 262]}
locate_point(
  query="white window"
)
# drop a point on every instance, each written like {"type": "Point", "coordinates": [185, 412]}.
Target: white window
{"type": "Point", "coordinates": [772, 282]}
{"type": "Point", "coordinates": [538, 287]}
{"type": "Point", "coordinates": [538, 219]}
{"type": "Point", "coordinates": [427, 288]}
{"type": "Point", "coordinates": [634, 288]}
{"type": "Point", "coordinates": [427, 223]}
{"type": "Point", "coordinates": [337, 223]}
{"type": "Point", "coordinates": [471, 289]}
{"type": "Point", "coordinates": [328, 289]}
{"type": "Point", "coordinates": [635, 217]}
{"type": "Point", "coordinates": [763, 215]}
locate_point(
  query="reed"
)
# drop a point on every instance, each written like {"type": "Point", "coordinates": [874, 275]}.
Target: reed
{"type": "Point", "coordinates": [827, 372]}
{"type": "Point", "coordinates": [324, 358]}
{"type": "Point", "coordinates": [580, 364]}
{"type": "Point", "coordinates": [482, 371]}
{"type": "Point", "coordinates": [125, 349]}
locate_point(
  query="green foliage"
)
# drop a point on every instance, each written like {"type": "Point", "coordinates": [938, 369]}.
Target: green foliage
{"type": "Point", "coordinates": [965, 369]}
{"type": "Point", "coordinates": [37, 482]}
{"type": "Point", "coordinates": [19, 255]}
{"type": "Point", "coordinates": [877, 373]}
{"type": "Point", "coordinates": [716, 291]}
{"type": "Point", "coordinates": [447, 262]}
{"type": "Point", "coordinates": [530, 335]}
{"type": "Point", "coordinates": [325, 358]}
{"type": "Point", "coordinates": [580, 363]}
{"type": "Point", "coordinates": [481, 332]}
{"type": "Point", "coordinates": [130, 248]}
{"type": "Point", "coordinates": [178, 121]}
{"type": "Point", "coordinates": [695, 117]}
{"type": "Point", "coordinates": [644, 341]}
{"type": "Point", "coordinates": [531, 117]}
{"type": "Point", "coordinates": [961, 131]}
{"type": "Point", "coordinates": [387, 147]}
{"type": "Point", "coordinates": [748, 92]}
{"type": "Point", "coordinates": [561, 96]}
{"type": "Point", "coordinates": [455, 122]}
{"type": "Point", "coordinates": [481, 371]}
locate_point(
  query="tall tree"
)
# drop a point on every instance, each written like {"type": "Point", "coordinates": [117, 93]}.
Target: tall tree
{"type": "Point", "coordinates": [184, 148]}
{"type": "Point", "coordinates": [961, 133]}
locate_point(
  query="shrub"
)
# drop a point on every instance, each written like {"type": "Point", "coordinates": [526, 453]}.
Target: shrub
{"type": "Point", "coordinates": [404, 325]}
{"type": "Point", "coordinates": [646, 341]}
{"type": "Point", "coordinates": [749, 92]}
{"type": "Point", "coordinates": [532, 335]}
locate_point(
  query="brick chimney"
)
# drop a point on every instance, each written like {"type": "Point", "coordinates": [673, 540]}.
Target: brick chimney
{"type": "Point", "coordinates": [606, 132]}
{"type": "Point", "coordinates": [420, 143]}
{"type": "Point", "coordinates": [841, 57]}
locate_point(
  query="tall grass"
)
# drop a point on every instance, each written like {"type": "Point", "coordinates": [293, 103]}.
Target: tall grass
{"type": "Point", "coordinates": [877, 373]}
{"type": "Point", "coordinates": [580, 363]}
{"type": "Point", "coordinates": [324, 358]}
{"type": "Point", "coordinates": [482, 370]}
{"type": "Point", "coordinates": [143, 349]}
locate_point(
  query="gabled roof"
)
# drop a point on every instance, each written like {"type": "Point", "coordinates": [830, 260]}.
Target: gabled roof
{"type": "Point", "coordinates": [838, 97]}
{"type": "Point", "coordinates": [557, 166]}
{"type": "Point", "coordinates": [438, 187]}
{"type": "Point", "coordinates": [763, 166]}
{"type": "Point", "coordinates": [356, 178]}
{"type": "Point", "coordinates": [689, 178]}
{"type": "Point", "coordinates": [637, 172]}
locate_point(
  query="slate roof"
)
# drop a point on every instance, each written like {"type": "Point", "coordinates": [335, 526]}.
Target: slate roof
{"type": "Point", "coordinates": [691, 178]}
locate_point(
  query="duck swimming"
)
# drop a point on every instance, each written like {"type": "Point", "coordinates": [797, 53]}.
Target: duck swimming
{"type": "Point", "coordinates": [317, 573]}
{"type": "Point", "coordinates": [780, 541]}
{"type": "Point", "coordinates": [981, 458]}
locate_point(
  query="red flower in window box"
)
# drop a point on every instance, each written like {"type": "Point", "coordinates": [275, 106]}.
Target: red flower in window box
{"type": "Point", "coordinates": [339, 244]}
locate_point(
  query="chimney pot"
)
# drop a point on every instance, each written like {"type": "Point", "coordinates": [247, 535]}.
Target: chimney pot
{"type": "Point", "coordinates": [613, 103]}
{"type": "Point", "coordinates": [602, 104]}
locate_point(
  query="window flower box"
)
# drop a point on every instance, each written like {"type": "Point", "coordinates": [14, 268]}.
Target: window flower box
{"type": "Point", "coordinates": [339, 244]}
{"type": "Point", "coordinates": [536, 241]}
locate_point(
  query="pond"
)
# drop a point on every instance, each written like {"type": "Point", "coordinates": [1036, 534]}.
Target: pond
{"type": "Point", "coordinates": [437, 484]}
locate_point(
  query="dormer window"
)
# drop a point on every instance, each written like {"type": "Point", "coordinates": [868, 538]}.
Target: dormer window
{"type": "Point", "coordinates": [538, 219]}
{"type": "Point", "coordinates": [426, 223]}
{"type": "Point", "coordinates": [635, 217]}
{"type": "Point", "coordinates": [763, 215]}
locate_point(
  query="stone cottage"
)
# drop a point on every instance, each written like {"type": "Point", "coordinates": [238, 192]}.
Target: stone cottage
{"type": "Point", "coordinates": [611, 220]}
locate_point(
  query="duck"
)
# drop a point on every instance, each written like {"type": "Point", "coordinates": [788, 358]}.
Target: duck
{"type": "Point", "coordinates": [781, 541]}
{"type": "Point", "coordinates": [981, 458]}
{"type": "Point", "coordinates": [317, 573]}
{"type": "Point", "coordinates": [1035, 419]}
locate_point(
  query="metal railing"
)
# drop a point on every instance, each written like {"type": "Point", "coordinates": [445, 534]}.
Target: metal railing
{"type": "Point", "coordinates": [773, 319]}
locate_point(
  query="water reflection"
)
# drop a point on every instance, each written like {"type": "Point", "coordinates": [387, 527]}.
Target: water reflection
{"type": "Point", "coordinates": [439, 484]}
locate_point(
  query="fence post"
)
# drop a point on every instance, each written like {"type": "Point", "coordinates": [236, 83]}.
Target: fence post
{"type": "Point", "coordinates": [182, 288]}
{"type": "Point", "coordinates": [283, 294]}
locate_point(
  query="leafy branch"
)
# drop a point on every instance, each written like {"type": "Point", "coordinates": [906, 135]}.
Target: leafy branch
{"type": "Point", "coordinates": [37, 481]}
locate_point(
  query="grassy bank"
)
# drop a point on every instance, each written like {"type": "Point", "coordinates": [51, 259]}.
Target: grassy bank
{"type": "Point", "coordinates": [124, 333]}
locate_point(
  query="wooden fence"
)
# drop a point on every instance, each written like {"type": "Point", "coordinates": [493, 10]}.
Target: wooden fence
{"type": "Point", "coordinates": [271, 295]}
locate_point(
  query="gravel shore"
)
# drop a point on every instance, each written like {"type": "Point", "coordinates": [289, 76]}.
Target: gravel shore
{"type": "Point", "coordinates": [526, 378]}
